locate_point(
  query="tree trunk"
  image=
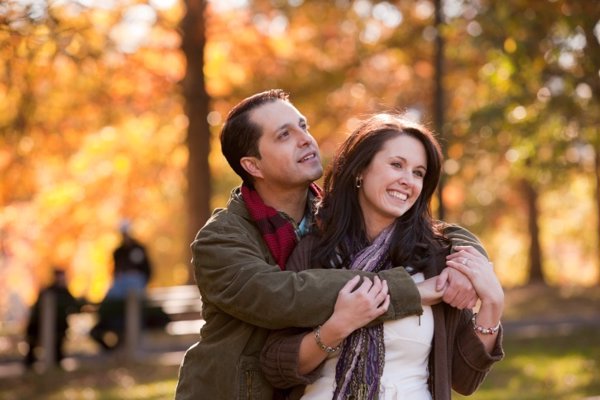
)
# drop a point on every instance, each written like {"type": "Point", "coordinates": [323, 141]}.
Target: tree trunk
{"type": "Point", "coordinates": [592, 58]}
{"type": "Point", "coordinates": [197, 103]}
{"type": "Point", "coordinates": [536, 274]}
{"type": "Point", "coordinates": [597, 173]}
{"type": "Point", "coordinates": [439, 95]}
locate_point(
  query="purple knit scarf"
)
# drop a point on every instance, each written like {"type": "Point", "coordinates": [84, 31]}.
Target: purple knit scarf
{"type": "Point", "coordinates": [360, 365]}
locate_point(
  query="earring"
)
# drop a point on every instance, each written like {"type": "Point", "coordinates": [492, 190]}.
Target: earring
{"type": "Point", "coordinates": [358, 183]}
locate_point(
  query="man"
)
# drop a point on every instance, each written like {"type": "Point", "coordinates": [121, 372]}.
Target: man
{"type": "Point", "coordinates": [132, 266]}
{"type": "Point", "coordinates": [132, 271]}
{"type": "Point", "coordinates": [239, 255]}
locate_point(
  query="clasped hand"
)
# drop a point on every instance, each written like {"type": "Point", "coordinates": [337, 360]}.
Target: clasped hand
{"type": "Point", "coordinates": [358, 303]}
{"type": "Point", "coordinates": [468, 278]}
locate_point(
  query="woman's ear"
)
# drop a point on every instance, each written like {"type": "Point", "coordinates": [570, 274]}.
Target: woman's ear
{"type": "Point", "coordinates": [252, 166]}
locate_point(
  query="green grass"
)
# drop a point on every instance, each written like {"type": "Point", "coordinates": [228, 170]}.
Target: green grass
{"type": "Point", "coordinates": [553, 367]}
{"type": "Point", "coordinates": [109, 381]}
{"type": "Point", "coordinates": [549, 368]}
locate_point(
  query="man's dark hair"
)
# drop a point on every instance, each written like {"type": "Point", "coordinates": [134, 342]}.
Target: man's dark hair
{"type": "Point", "coordinates": [239, 136]}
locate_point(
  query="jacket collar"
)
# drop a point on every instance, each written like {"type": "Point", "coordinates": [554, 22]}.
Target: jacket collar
{"type": "Point", "coordinates": [237, 206]}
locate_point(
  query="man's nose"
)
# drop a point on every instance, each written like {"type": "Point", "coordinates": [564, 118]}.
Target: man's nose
{"type": "Point", "coordinates": [304, 139]}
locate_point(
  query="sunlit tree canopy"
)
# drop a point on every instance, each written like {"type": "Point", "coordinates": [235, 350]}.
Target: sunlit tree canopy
{"type": "Point", "coordinates": [93, 124]}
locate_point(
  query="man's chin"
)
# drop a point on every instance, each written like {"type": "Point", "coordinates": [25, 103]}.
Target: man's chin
{"type": "Point", "coordinates": [318, 173]}
{"type": "Point", "coordinates": [316, 177]}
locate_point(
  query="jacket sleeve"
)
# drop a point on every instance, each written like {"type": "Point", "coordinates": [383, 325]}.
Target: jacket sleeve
{"type": "Point", "coordinates": [279, 359]}
{"type": "Point", "coordinates": [459, 236]}
{"type": "Point", "coordinates": [232, 274]}
{"type": "Point", "coordinates": [470, 361]}
{"type": "Point", "coordinates": [280, 354]}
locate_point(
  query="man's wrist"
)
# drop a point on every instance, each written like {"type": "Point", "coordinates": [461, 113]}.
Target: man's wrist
{"type": "Point", "coordinates": [429, 295]}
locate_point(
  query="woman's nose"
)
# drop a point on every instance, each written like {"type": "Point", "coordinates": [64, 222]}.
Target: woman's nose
{"type": "Point", "coordinates": [406, 178]}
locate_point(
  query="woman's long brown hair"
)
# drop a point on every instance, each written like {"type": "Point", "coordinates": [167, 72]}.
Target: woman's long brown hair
{"type": "Point", "coordinates": [340, 220]}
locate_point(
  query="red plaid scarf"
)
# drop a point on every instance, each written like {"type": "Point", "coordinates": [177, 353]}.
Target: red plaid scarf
{"type": "Point", "coordinates": [277, 231]}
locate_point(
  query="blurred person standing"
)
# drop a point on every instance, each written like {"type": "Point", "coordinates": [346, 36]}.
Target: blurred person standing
{"type": "Point", "coordinates": [65, 303]}
{"type": "Point", "coordinates": [132, 267]}
{"type": "Point", "coordinates": [132, 271]}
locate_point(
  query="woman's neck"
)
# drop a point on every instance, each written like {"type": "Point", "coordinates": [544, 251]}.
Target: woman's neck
{"type": "Point", "coordinates": [373, 229]}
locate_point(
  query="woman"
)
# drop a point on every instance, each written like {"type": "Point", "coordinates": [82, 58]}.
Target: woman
{"type": "Point", "coordinates": [376, 214]}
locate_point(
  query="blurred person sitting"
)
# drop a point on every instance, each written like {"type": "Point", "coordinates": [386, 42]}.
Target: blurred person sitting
{"type": "Point", "coordinates": [66, 304]}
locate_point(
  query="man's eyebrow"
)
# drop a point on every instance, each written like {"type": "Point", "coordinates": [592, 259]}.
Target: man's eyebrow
{"type": "Point", "coordinates": [287, 124]}
{"type": "Point", "coordinates": [282, 127]}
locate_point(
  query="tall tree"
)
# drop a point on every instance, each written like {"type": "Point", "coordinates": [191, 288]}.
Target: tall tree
{"type": "Point", "coordinates": [196, 108]}
{"type": "Point", "coordinates": [584, 22]}
{"type": "Point", "coordinates": [90, 132]}
{"type": "Point", "coordinates": [438, 112]}
{"type": "Point", "coordinates": [535, 95]}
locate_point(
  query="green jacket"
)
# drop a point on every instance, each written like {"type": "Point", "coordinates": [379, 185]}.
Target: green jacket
{"type": "Point", "coordinates": [245, 294]}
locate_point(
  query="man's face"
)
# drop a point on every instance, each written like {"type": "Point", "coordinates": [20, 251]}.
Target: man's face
{"type": "Point", "coordinates": [289, 154]}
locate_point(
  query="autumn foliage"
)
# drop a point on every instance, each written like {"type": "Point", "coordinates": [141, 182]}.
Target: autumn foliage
{"type": "Point", "coordinates": [93, 124]}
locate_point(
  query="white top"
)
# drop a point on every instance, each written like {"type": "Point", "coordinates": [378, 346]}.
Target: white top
{"type": "Point", "coordinates": [407, 346]}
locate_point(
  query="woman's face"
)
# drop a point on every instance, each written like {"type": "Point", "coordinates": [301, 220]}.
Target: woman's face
{"type": "Point", "coordinates": [392, 182]}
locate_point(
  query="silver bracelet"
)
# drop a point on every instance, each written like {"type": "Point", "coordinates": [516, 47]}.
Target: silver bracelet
{"type": "Point", "coordinates": [481, 329]}
{"type": "Point", "coordinates": [323, 346]}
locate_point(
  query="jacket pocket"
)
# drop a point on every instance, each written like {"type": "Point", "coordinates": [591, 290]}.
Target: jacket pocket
{"type": "Point", "coordinates": [250, 380]}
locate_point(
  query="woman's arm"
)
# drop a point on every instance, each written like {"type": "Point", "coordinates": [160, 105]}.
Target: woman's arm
{"type": "Point", "coordinates": [290, 356]}
{"type": "Point", "coordinates": [471, 362]}
{"type": "Point", "coordinates": [481, 273]}
{"type": "Point", "coordinates": [355, 307]}
{"type": "Point", "coordinates": [478, 343]}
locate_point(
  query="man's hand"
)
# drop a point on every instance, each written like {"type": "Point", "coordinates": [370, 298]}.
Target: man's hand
{"type": "Point", "coordinates": [458, 289]}
{"type": "Point", "coordinates": [430, 295]}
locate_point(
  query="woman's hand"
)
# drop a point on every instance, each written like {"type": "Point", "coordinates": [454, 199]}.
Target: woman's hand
{"type": "Point", "coordinates": [357, 304]}
{"type": "Point", "coordinates": [480, 272]}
